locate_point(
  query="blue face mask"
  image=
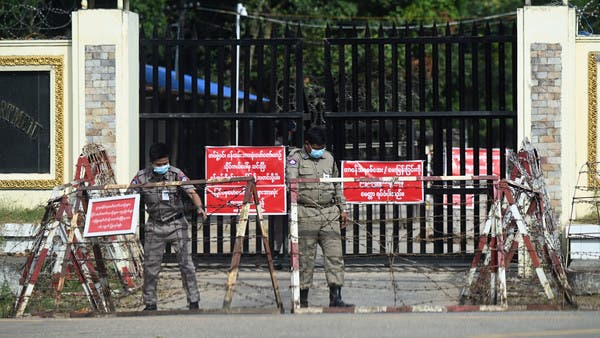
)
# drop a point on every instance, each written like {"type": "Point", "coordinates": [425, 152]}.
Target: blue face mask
{"type": "Point", "coordinates": [162, 169]}
{"type": "Point", "coordinates": [317, 153]}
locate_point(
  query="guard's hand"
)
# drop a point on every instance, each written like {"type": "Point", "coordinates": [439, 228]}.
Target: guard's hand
{"type": "Point", "coordinates": [201, 212]}
{"type": "Point", "coordinates": [343, 219]}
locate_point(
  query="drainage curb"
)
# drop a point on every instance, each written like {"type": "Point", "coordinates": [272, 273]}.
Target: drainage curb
{"type": "Point", "coordinates": [430, 309]}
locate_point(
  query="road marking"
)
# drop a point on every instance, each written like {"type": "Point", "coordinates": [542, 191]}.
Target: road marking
{"type": "Point", "coordinates": [547, 333]}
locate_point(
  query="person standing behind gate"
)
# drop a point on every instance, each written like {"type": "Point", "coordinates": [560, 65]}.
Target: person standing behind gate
{"type": "Point", "coordinates": [166, 224]}
{"type": "Point", "coordinates": [320, 209]}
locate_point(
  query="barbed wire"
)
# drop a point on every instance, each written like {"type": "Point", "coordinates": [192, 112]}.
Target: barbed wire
{"type": "Point", "coordinates": [259, 294]}
{"type": "Point", "coordinates": [23, 21]}
{"type": "Point", "coordinates": [359, 231]}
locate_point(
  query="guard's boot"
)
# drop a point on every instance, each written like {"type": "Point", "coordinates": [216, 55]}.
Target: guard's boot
{"type": "Point", "coordinates": [335, 297]}
{"type": "Point", "coordinates": [303, 297]}
{"type": "Point", "coordinates": [150, 307]}
{"type": "Point", "coordinates": [277, 261]}
{"type": "Point", "coordinates": [194, 306]}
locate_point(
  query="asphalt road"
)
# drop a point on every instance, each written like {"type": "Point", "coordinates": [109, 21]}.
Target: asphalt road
{"type": "Point", "coordinates": [474, 324]}
{"type": "Point", "coordinates": [409, 286]}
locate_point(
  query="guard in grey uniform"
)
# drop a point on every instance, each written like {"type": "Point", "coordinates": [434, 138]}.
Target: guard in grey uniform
{"type": "Point", "coordinates": [166, 224]}
{"type": "Point", "coordinates": [320, 209]}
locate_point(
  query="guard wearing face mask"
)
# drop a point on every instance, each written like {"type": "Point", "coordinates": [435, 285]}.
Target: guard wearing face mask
{"type": "Point", "coordinates": [166, 224]}
{"type": "Point", "coordinates": [320, 210]}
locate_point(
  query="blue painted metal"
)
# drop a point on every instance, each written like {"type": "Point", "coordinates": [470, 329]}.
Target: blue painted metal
{"type": "Point", "coordinates": [187, 84]}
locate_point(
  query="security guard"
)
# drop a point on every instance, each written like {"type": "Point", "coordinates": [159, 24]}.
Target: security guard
{"type": "Point", "coordinates": [166, 224]}
{"type": "Point", "coordinates": [320, 209]}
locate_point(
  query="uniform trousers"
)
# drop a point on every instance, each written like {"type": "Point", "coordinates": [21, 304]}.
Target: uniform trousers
{"type": "Point", "coordinates": [156, 237]}
{"type": "Point", "coordinates": [320, 226]}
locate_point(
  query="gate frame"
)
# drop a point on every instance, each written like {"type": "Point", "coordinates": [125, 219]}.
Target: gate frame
{"type": "Point", "coordinates": [440, 116]}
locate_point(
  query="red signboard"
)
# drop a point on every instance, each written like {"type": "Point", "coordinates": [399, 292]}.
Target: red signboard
{"type": "Point", "coordinates": [469, 164]}
{"type": "Point", "coordinates": [384, 191]}
{"type": "Point", "coordinates": [265, 164]}
{"type": "Point", "coordinates": [109, 216]}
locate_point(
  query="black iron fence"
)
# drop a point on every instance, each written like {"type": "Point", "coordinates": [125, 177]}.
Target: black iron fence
{"type": "Point", "coordinates": [445, 96]}
{"type": "Point", "coordinates": [188, 100]}
{"type": "Point", "coordinates": [432, 95]}
{"type": "Point", "coordinates": [188, 94]}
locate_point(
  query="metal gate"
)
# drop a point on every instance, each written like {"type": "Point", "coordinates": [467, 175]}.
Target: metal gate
{"type": "Point", "coordinates": [188, 100]}
{"type": "Point", "coordinates": [428, 94]}
{"type": "Point", "coordinates": [437, 95]}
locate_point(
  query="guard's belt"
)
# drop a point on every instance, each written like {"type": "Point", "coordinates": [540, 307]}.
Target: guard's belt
{"type": "Point", "coordinates": [317, 205]}
{"type": "Point", "coordinates": [176, 217]}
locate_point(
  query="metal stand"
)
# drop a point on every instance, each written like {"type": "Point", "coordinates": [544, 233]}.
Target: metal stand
{"type": "Point", "coordinates": [59, 234]}
{"type": "Point", "coordinates": [520, 208]}
{"type": "Point", "coordinates": [250, 197]}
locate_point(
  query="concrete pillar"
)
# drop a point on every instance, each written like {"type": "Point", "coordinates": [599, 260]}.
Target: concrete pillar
{"type": "Point", "coordinates": [106, 81]}
{"type": "Point", "coordinates": [546, 96]}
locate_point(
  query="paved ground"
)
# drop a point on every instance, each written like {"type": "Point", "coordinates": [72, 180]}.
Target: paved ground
{"type": "Point", "coordinates": [365, 286]}
{"type": "Point", "coordinates": [448, 325]}
{"type": "Point", "coordinates": [409, 287]}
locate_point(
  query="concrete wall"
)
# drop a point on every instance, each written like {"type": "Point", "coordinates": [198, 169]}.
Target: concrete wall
{"type": "Point", "coordinates": [99, 82]}
{"type": "Point", "coordinates": [105, 63]}
{"type": "Point", "coordinates": [546, 96]}
{"type": "Point", "coordinates": [558, 102]}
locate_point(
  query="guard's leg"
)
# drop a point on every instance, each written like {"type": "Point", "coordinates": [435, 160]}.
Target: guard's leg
{"type": "Point", "coordinates": [308, 229]}
{"type": "Point", "coordinates": [186, 267]}
{"type": "Point", "coordinates": [154, 247]}
{"type": "Point", "coordinates": [303, 297]}
{"type": "Point", "coordinates": [330, 239]}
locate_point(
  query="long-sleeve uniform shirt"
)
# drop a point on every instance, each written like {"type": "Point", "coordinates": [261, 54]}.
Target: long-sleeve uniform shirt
{"type": "Point", "coordinates": [301, 165]}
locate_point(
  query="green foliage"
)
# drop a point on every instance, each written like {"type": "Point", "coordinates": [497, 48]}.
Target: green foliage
{"type": "Point", "coordinates": [323, 8]}
{"type": "Point", "coordinates": [355, 12]}
{"type": "Point", "coordinates": [10, 213]}
{"type": "Point", "coordinates": [427, 11]}
{"type": "Point", "coordinates": [45, 298]}
{"type": "Point", "coordinates": [152, 14]}
{"type": "Point", "coordinates": [588, 12]}
{"type": "Point", "coordinates": [474, 9]}
{"type": "Point", "coordinates": [7, 300]}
